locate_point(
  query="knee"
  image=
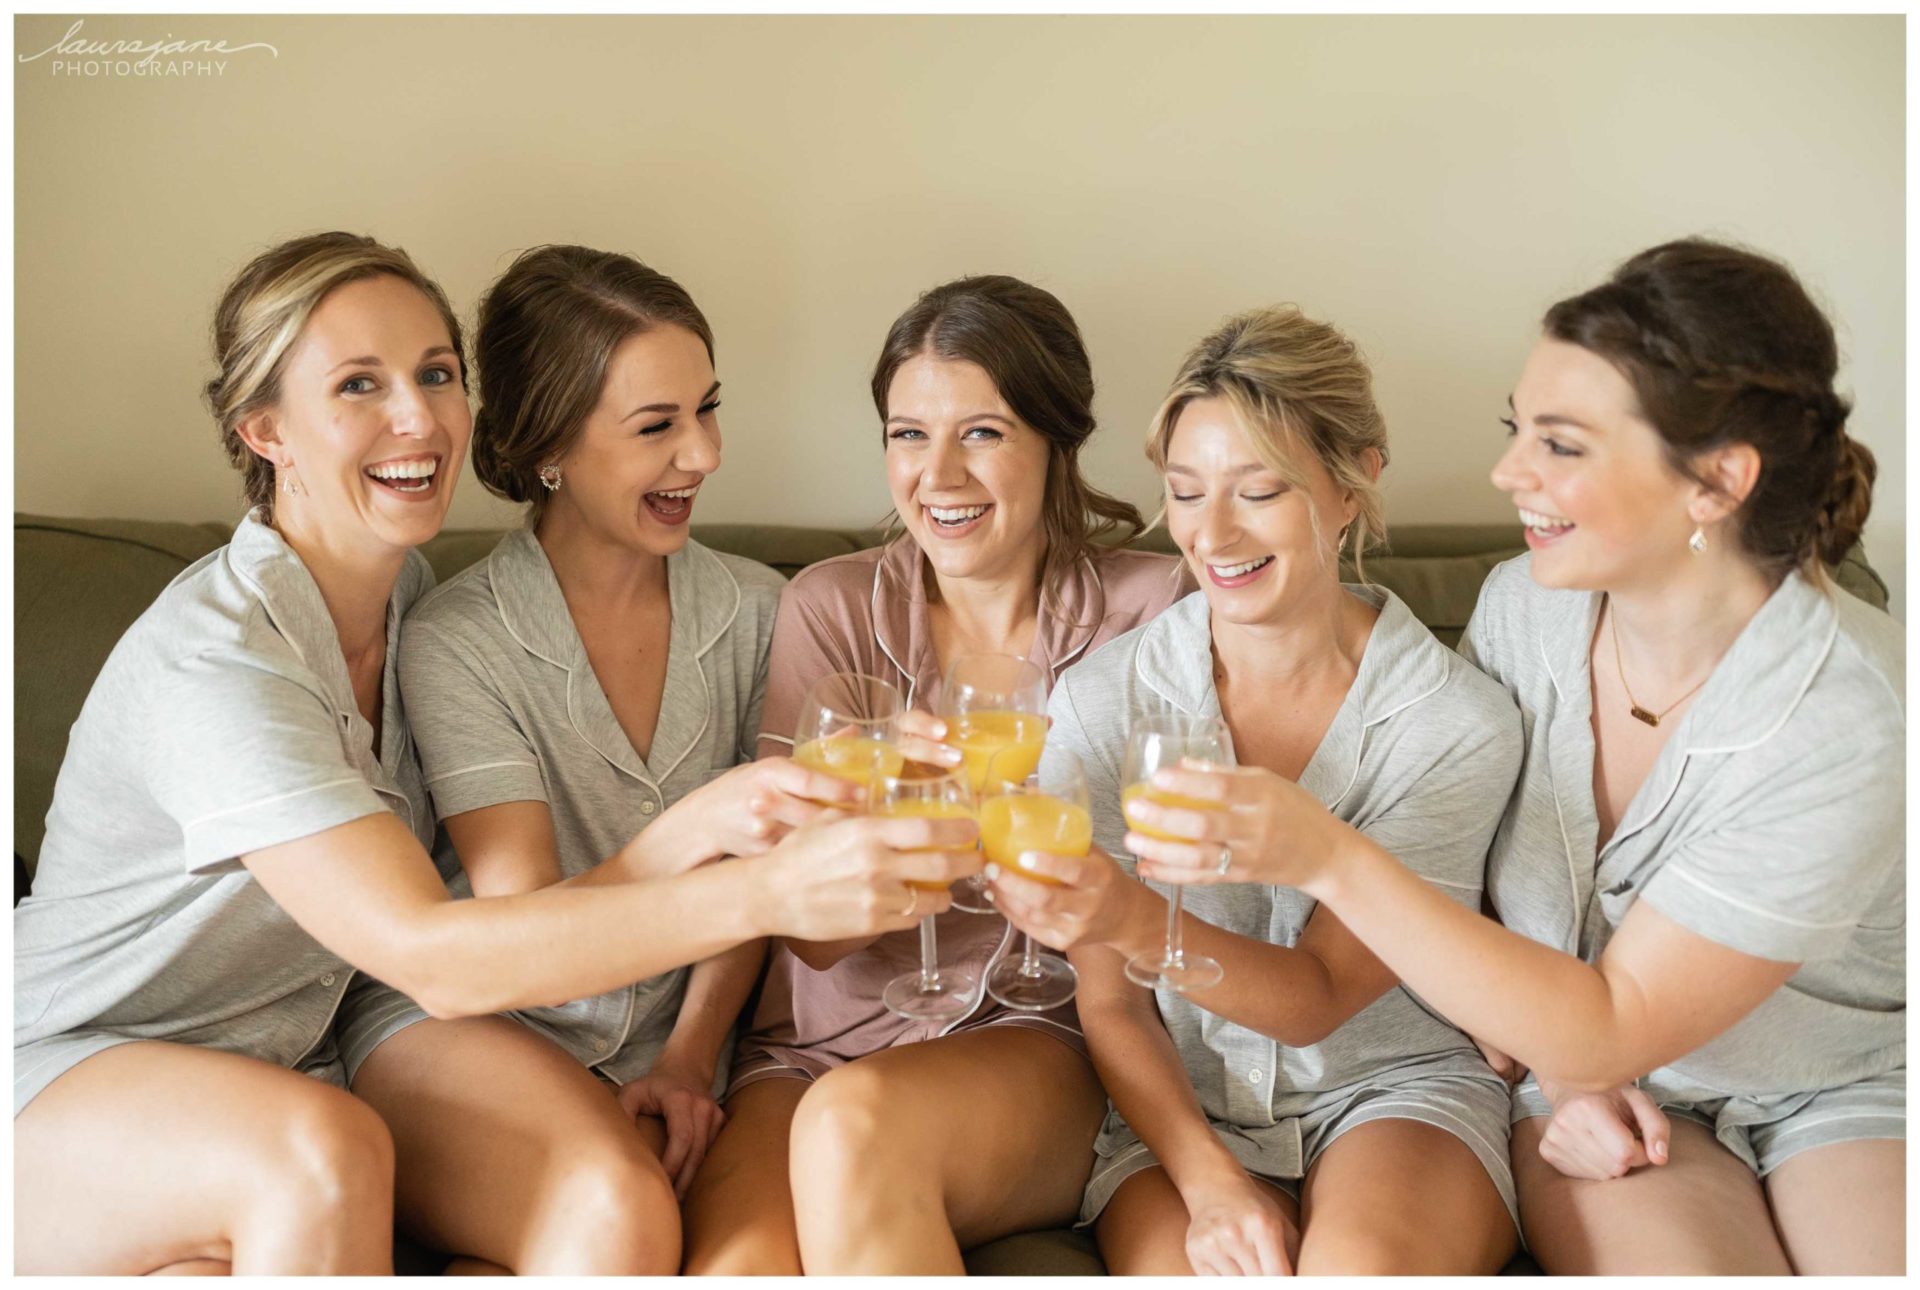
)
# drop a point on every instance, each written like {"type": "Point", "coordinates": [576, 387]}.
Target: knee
{"type": "Point", "coordinates": [843, 1128]}
{"type": "Point", "coordinates": [1379, 1251]}
{"type": "Point", "coordinates": [333, 1154]}
{"type": "Point", "coordinates": [612, 1211]}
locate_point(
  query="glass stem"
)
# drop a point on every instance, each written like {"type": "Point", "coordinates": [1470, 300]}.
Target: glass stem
{"type": "Point", "coordinates": [1029, 960]}
{"type": "Point", "coordinates": [929, 958]}
{"type": "Point", "coordinates": [1176, 952]}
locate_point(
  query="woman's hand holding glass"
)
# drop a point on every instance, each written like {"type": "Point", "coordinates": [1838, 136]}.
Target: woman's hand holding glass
{"type": "Point", "coordinates": [842, 879]}
{"type": "Point", "coordinates": [932, 993]}
{"type": "Point", "coordinates": [1069, 901]}
{"type": "Point", "coordinates": [1266, 828]}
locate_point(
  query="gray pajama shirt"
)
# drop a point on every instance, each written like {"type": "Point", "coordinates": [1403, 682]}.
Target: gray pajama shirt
{"type": "Point", "coordinates": [505, 707]}
{"type": "Point", "coordinates": [1771, 823]}
{"type": "Point", "coordinates": [223, 723]}
{"type": "Point", "coordinates": [1421, 757]}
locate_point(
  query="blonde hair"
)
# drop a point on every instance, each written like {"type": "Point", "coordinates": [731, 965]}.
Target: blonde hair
{"type": "Point", "coordinates": [264, 310]}
{"type": "Point", "coordinates": [1291, 383]}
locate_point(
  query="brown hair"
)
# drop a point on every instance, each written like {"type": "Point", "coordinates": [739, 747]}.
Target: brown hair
{"type": "Point", "coordinates": [262, 314]}
{"type": "Point", "coordinates": [1287, 377]}
{"type": "Point", "coordinates": [1722, 345]}
{"type": "Point", "coordinates": [547, 330]}
{"type": "Point", "coordinates": [1031, 347]}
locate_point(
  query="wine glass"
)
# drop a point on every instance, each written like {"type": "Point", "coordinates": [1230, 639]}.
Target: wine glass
{"type": "Point", "coordinates": [1156, 741]}
{"type": "Point", "coordinates": [995, 705]}
{"type": "Point", "coordinates": [933, 993]}
{"type": "Point", "coordinates": [1034, 815]}
{"type": "Point", "coordinates": [847, 725]}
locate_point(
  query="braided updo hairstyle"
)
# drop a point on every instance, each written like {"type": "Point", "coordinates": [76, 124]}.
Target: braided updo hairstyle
{"type": "Point", "coordinates": [1723, 346]}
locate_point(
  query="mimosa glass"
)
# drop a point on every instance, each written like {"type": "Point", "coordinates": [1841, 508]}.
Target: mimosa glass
{"type": "Point", "coordinates": [1031, 815]}
{"type": "Point", "coordinates": [1154, 742]}
{"type": "Point", "coordinates": [933, 993]}
{"type": "Point", "coordinates": [995, 707]}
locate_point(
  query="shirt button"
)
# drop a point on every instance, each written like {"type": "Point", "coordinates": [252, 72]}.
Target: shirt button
{"type": "Point", "coordinates": [327, 979]}
{"type": "Point", "coordinates": [646, 808]}
{"type": "Point", "coordinates": [599, 1045]}
{"type": "Point", "coordinates": [1253, 1077]}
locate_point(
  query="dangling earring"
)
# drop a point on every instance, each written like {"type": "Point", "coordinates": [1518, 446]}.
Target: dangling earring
{"type": "Point", "coordinates": [1698, 542]}
{"type": "Point", "coordinates": [289, 482]}
{"type": "Point", "coordinates": [550, 476]}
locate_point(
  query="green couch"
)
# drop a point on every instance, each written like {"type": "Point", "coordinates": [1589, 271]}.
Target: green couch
{"type": "Point", "coordinates": [78, 585]}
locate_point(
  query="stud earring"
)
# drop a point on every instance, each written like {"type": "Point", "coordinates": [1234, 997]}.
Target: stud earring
{"type": "Point", "coordinates": [550, 477]}
{"type": "Point", "coordinates": [1698, 542]}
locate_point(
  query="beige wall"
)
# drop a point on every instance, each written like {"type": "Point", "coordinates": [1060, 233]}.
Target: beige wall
{"type": "Point", "coordinates": [1430, 184]}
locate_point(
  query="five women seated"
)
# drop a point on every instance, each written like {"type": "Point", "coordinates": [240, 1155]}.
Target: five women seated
{"type": "Point", "coordinates": [1590, 934]}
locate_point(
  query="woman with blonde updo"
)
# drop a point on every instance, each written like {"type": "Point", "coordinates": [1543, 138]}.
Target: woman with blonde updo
{"type": "Point", "coordinates": [1306, 1113]}
{"type": "Point", "coordinates": [1704, 868]}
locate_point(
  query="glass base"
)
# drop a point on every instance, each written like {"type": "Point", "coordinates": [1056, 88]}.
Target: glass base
{"type": "Point", "coordinates": [950, 994]}
{"type": "Point", "coordinates": [970, 896]}
{"type": "Point", "coordinates": [1179, 974]}
{"type": "Point", "coordinates": [1051, 983]}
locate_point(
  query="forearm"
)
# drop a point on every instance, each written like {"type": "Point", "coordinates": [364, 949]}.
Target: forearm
{"type": "Point", "coordinates": [717, 989]}
{"type": "Point", "coordinates": [1551, 1011]}
{"type": "Point", "coordinates": [1284, 993]}
{"type": "Point", "coordinates": [1145, 1078]}
{"type": "Point", "coordinates": [491, 954]}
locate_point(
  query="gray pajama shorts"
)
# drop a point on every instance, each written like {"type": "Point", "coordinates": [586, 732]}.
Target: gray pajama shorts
{"type": "Point", "coordinates": [1767, 1131]}
{"type": "Point", "coordinates": [1472, 1110]}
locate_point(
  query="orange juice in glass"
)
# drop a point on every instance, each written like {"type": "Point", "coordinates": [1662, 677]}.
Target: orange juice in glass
{"type": "Point", "coordinates": [1154, 742]}
{"type": "Point", "coordinates": [1015, 738]}
{"type": "Point", "coordinates": [1014, 822]}
{"type": "Point", "coordinates": [846, 729]}
{"type": "Point", "coordinates": [1049, 813]}
{"type": "Point", "coordinates": [932, 993]}
{"type": "Point", "coordinates": [858, 759]}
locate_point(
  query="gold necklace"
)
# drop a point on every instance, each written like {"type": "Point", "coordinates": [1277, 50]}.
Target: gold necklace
{"type": "Point", "coordinates": [1633, 705]}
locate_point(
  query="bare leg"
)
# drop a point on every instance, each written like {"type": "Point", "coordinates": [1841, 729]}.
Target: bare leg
{"type": "Point", "coordinates": [1701, 1213]}
{"type": "Point", "coordinates": [511, 1151]}
{"type": "Point", "coordinates": [902, 1159]}
{"type": "Point", "coordinates": [156, 1155]}
{"type": "Point", "coordinates": [1841, 1209]}
{"type": "Point", "coordinates": [739, 1211]}
{"type": "Point", "coordinates": [195, 1268]}
{"type": "Point", "coordinates": [1447, 1215]}
{"type": "Point", "coordinates": [1143, 1230]}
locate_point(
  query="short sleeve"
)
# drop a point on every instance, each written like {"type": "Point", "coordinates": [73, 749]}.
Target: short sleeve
{"type": "Point", "coordinates": [1067, 732]}
{"type": "Point", "coordinates": [244, 757]}
{"type": "Point", "coordinates": [1479, 643]}
{"type": "Point", "coordinates": [1796, 862]}
{"type": "Point", "coordinates": [805, 647]}
{"type": "Point", "coordinates": [474, 753]}
{"type": "Point", "coordinates": [1463, 766]}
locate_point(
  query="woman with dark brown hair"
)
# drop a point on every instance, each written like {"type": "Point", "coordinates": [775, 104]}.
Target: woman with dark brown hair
{"type": "Point", "coordinates": [1704, 867]}
{"type": "Point", "coordinates": [911, 1141]}
{"type": "Point", "coordinates": [580, 700]}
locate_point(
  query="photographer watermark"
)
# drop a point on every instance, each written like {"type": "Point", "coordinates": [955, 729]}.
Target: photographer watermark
{"type": "Point", "coordinates": [74, 55]}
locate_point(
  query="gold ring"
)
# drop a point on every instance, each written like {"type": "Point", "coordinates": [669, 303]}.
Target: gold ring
{"type": "Point", "coordinates": [913, 902]}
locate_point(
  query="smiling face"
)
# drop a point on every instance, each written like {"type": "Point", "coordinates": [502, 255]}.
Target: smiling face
{"type": "Point", "coordinates": [630, 477]}
{"type": "Point", "coordinates": [371, 420]}
{"type": "Point", "coordinates": [1604, 508]}
{"type": "Point", "coordinates": [968, 477]}
{"type": "Point", "coordinates": [1257, 547]}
